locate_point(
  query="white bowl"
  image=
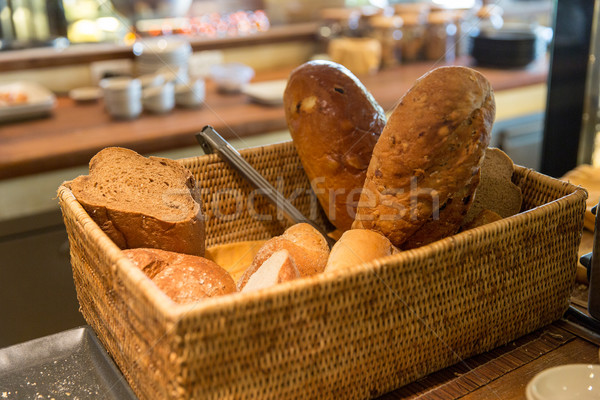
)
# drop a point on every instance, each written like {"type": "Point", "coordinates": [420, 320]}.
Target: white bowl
{"type": "Point", "coordinates": [231, 78]}
{"type": "Point", "coordinates": [566, 382]}
{"type": "Point", "coordinates": [149, 80]}
{"type": "Point", "coordinates": [85, 94]}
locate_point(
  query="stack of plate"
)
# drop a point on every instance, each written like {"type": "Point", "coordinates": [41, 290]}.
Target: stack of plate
{"type": "Point", "coordinates": [164, 52]}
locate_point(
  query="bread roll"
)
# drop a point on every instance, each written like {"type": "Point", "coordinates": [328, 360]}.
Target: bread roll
{"type": "Point", "coordinates": [335, 123]}
{"type": "Point", "coordinates": [182, 277]}
{"type": "Point", "coordinates": [276, 269]}
{"type": "Point", "coordinates": [358, 246]}
{"type": "Point", "coordinates": [429, 151]}
{"type": "Point", "coordinates": [142, 202]}
{"type": "Point", "coordinates": [496, 191]}
{"type": "Point", "coordinates": [306, 246]}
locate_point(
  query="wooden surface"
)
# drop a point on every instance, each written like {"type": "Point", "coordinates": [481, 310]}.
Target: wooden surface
{"type": "Point", "coordinates": [503, 373]}
{"type": "Point", "coordinates": [75, 132]}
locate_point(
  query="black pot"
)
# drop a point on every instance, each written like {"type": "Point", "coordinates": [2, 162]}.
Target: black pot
{"type": "Point", "coordinates": [504, 48]}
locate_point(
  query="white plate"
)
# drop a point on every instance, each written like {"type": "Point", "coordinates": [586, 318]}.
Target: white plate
{"type": "Point", "coordinates": [83, 94]}
{"type": "Point", "coordinates": [268, 92]}
{"type": "Point", "coordinates": [40, 101]}
{"type": "Point", "coordinates": [566, 382]}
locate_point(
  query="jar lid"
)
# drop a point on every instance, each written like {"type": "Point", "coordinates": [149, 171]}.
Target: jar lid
{"type": "Point", "coordinates": [412, 19]}
{"type": "Point", "coordinates": [412, 8]}
{"type": "Point", "coordinates": [383, 21]}
{"type": "Point", "coordinates": [440, 18]}
{"type": "Point", "coordinates": [339, 14]}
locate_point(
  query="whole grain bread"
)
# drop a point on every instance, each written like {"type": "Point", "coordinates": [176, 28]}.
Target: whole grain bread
{"type": "Point", "coordinates": [142, 202]}
{"type": "Point", "coordinates": [430, 150]}
{"type": "Point", "coordinates": [184, 278]}
{"type": "Point", "coordinates": [496, 191]}
{"type": "Point", "coordinates": [335, 123]}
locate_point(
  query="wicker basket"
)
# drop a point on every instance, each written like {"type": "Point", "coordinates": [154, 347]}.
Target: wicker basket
{"type": "Point", "coordinates": [355, 334]}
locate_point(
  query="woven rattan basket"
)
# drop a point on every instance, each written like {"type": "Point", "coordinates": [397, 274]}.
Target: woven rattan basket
{"type": "Point", "coordinates": [356, 334]}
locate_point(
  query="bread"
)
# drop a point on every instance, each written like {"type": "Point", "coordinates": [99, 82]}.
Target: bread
{"type": "Point", "coordinates": [306, 247]}
{"type": "Point", "coordinates": [496, 192]}
{"type": "Point", "coordinates": [334, 122]}
{"type": "Point", "coordinates": [484, 217]}
{"type": "Point", "coordinates": [142, 202]}
{"type": "Point", "coordinates": [278, 268]}
{"type": "Point", "coordinates": [358, 246]}
{"type": "Point", "coordinates": [429, 151]}
{"type": "Point", "coordinates": [184, 278]}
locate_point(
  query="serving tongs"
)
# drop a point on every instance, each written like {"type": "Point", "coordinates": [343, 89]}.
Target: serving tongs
{"type": "Point", "coordinates": [212, 142]}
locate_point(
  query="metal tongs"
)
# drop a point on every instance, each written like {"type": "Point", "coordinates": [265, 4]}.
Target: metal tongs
{"type": "Point", "coordinates": [212, 142]}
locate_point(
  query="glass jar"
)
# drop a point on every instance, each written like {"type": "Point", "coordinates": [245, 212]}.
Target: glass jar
{"type": "Point", "coordinates": [388, 31]}
{"type": "Point", "coordinates": [440, 37]}
{"type": "Point", "coordinates": [413, 37]}
{"type": "Point", "coordinates": [337, 22]}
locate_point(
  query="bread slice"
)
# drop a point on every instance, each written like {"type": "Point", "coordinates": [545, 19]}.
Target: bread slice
{"type": "Point", "coordinates": [306, 246]}
{"type": "Point", "coordinates": [358, 246]}
{"type": "Point", "coordinates": [142, 202]}
{"type": "Point", "coordinates": [277, 269]}
{"type": "Point", "coordinates": [496, 191]}
{"type": "Point", "coordinates": [182, 277]}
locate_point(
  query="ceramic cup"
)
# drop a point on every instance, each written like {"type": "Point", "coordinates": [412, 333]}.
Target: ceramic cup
{"type": "Point", "coordinates": [122, 97]}
{"type": "Point", "coordinates": [190, 94]}
{"type": "Point", "coordinates": [159, 99]}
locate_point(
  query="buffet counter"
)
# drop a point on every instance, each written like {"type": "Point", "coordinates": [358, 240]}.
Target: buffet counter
{"type": "Point", "coordinates": [75, 132]}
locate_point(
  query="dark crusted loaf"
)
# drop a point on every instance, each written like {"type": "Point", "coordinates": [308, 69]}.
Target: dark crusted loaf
{"type": "Point", "coordinates": [142, 202]}
{"type": "Point", "coordinates": [428, 157]}
{"type": "Point", "coordinates": [335, 123]}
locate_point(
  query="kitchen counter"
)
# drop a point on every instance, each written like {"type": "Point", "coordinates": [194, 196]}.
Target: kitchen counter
{"type": "Point", "coordinates": [75, 132]}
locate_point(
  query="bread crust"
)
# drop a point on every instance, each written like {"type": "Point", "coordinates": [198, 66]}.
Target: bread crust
{"type": "Point", "coordinates": [335, 123]}
{"type": "Point", "coordinates": [430, 149]}
{"type": "Point", "coordinates": [184, 278]}
{"type": "Point", "coordinates": [306, 246]}
{"type": "Point", "coordinates": [358, 246]}
{"type": "Point", "coordinates": [176, 226]}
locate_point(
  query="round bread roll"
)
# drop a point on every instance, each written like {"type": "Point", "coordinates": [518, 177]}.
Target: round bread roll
{"type": "Point", "coordinates": [429, 151]}
{"type": "Point", "coordinates": [335, 123]}
{"type": "Point", "coordinates": [182, 277]}
{"type": "Point", "coordinates": [358, 246]}
{"type": "Point", "coordinates": [307, 248]}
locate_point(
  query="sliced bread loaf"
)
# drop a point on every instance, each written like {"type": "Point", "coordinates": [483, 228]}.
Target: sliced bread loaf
{"type": "Point", "coordinates": [142, 202]}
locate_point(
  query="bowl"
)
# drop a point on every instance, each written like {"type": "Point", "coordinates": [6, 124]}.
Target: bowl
{"type": "Point", "coordinates": [566, 382]}
{"type": "Point", "coordinates": [231, 77]}
{"type": "Point", "coordinates": [85, 94]}
{"type": "Point", "coordinates": [505, 47]}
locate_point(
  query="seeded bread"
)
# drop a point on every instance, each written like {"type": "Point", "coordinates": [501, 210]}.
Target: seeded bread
{"type": "Point", "coordinates": [142, 202]}
{"type": "Point", "coordinates": [430, 149]}
{"type": "Point", "coordinates": [335, 123]}
{"type": "Point", "coordinates": [182, 277]}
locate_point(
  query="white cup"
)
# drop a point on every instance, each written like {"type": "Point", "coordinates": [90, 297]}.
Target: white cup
{"type": "Point", "coordinates": [122, 97]}
{"type": "Point", "coordinates": [190, 94]}
{"type": "Point", "coordinates": [159, 99]}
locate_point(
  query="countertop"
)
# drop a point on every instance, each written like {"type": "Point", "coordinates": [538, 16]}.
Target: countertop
{"type": "Point", "coordinates": [75, 132]}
